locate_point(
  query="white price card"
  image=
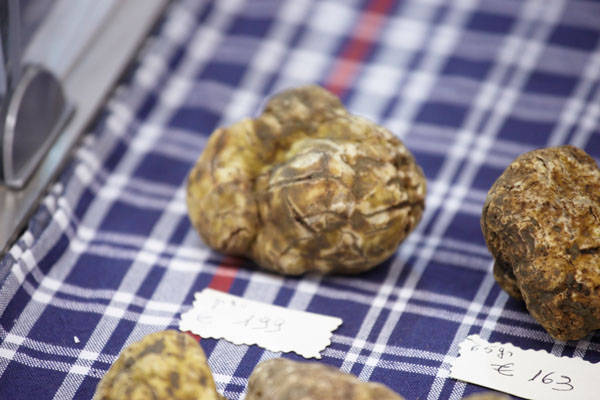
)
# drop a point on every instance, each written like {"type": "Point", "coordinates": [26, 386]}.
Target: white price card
{"type": "Point", "coordinates": [531, 374]}
{"type": "Point", "coordinates": [221, 315]}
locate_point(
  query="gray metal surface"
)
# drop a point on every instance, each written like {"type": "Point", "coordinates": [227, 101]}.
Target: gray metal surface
{"type": "Point", "coordinates": [87, 75]}
{"type": "Point", "coordinates": [37, 112]}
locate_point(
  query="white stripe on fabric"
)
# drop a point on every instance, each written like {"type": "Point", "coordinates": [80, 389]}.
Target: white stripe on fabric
{"type": "Point", "coordinates": [574, 107]}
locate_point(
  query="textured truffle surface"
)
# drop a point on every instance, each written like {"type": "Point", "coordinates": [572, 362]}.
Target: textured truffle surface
{"type": "Point", "coordinates": [163, 365]}
{"type": "Point", "coordinates": [281, 379]}
{"type": "Point", "coordinates": [487, 396]}
{"type": "Point", "coordinates": [541, 221]}
{"type": "Point", "coordinates": [306, 186]}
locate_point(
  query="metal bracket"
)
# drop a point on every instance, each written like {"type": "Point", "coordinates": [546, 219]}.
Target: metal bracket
{"type": "Point", "coordinates": [68, 69]}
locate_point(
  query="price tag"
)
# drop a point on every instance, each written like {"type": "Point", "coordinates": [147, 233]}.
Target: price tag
{"type": "Point", "coordinates": [532, 374]}
{"type": "Point", "coordinates": [221, 315]}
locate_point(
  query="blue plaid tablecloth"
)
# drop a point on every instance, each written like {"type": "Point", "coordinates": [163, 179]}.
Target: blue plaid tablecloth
{"type": "Point", "coordinates": [467, 85]}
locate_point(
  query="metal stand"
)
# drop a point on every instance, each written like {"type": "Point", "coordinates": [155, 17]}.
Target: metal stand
{"type": "Point", "coordinates": [56, 88]}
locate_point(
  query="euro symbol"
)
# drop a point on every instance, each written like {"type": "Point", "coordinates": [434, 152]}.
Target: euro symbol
{"type": "Point", "coordinates": [504, 369]}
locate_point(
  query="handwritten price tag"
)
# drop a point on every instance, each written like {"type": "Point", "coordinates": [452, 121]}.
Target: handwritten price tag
{"type": "Point", "coordinates": [224, 316]}
{"type": "Point", "coordinates": [526, 373]}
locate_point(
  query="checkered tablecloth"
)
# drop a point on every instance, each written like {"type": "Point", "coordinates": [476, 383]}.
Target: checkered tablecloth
{"type": "Point", "coordinates": [467, 85]}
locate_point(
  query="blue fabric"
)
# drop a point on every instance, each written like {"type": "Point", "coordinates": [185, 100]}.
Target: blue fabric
{"type": "Point", "coordinates": [467, 85]}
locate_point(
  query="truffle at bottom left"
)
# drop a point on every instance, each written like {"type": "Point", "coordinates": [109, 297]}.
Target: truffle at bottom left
{"type": "Point", "coordinates": [163, 365]}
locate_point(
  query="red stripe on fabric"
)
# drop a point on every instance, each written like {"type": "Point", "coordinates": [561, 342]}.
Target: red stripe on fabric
{"type": "Point", "coordinates": [193, 335]}
{"type": "Point", "coordinates": [225, 274]}
{"type": "Point", "coordinates": [357, 49]}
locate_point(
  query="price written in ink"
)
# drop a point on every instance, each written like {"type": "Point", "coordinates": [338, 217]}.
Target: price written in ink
{"type": "Point", "coordinates": [507, 366]}
{"type": "Point", "coordinates": [527, 373]}
{"type": "Point", "coordinates": [237, 314]}
{"type": "Point", "coordinates": [242, 321]}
